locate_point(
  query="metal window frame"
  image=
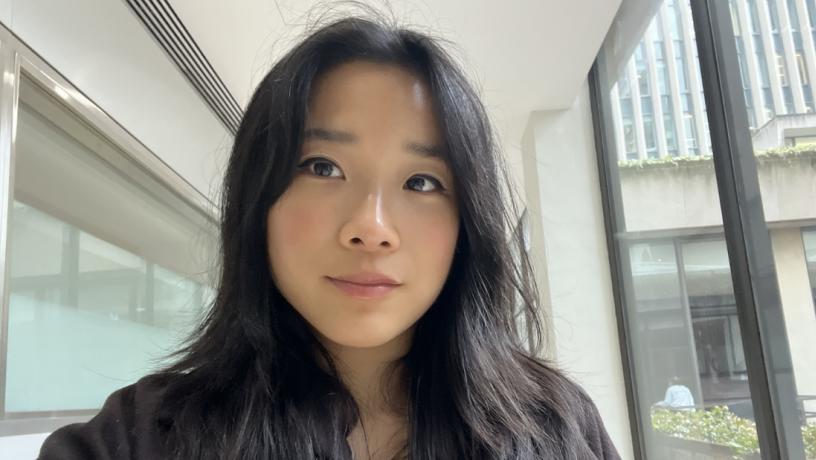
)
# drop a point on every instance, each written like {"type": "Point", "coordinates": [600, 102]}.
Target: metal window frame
{"type": "Point", "coordinates": [746, 233]}
{"type": "Point", "coordinates": [17, 60]}
{"type": "Point", "coordinates": [606, 151]}
{"type": "Point", "coordinates": [761, 318]}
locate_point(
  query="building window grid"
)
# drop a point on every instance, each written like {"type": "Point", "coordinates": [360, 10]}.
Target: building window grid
{"type": "Point", "coordinates": [793, 58]}
{"type": "Point", "coordinates": [803, 20]}
{"type": "Point", "coordinates": [676, 35]}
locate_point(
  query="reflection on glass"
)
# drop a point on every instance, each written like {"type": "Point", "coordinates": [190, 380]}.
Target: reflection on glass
{"type": "Point", "coordinates": [688, 355]}
{"type": "Point", "coordinates": [108, 271]}
{"type": "Point", "coordinates": [689, 360]}
{"type": "Point", "coordinates": [717, 341]}
{"type": "Point", "coordinates": [777, 66]}
{"type": "Point", "coordinates": [809, 239]}
{"type": "Point", "coordinates": [683, 315]}
{"type": "Point", "coordinates": [692, 368]}
{"type": "Point", "coordinates": [79, 315]}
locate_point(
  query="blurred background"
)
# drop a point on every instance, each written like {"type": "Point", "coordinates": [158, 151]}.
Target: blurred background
{"type": "Point", "coordinates": [663, 154]}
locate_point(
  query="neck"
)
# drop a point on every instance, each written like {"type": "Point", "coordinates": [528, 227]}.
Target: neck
{"type": "Point", "coordinates": [369, 374]}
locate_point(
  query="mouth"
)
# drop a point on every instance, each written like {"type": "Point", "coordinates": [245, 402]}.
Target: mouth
{"type": "Point", "coordinates": [368, 290]}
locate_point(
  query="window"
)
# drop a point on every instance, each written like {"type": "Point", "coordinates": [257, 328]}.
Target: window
{"type": "Point", "coordinates": [800, 140]}
{"type": "Point", "coordinates": [800, 64]}
{"type": "Point", "coordinates": [809, 240]}
{"type": "Point", "coordinates": [780, 68]}
{"type": "Point", "coordinates": [108, 259]}
{"type": "Point", "coordinates": [691, 137]}
{"type": "Point", "coordinates": [687, 319]}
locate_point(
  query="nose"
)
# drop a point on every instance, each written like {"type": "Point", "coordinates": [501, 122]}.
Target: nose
{"type": "Point", "coordinates": [369, 228]}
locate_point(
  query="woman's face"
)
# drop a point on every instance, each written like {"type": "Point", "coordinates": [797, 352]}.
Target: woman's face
{"type": "Point", "coordinates": [372, 198]}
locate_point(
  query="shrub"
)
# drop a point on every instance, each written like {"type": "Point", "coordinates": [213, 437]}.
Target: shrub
{"type": "Point", "coordinates": [790, 153]}
{"type": "Point", "coordinates": [809, 436]}
{"type": "Point", "coordinates": [718, 425]}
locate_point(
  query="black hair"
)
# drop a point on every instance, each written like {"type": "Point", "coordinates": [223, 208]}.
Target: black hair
{"type": "Point", "coordinates": [245, 384]}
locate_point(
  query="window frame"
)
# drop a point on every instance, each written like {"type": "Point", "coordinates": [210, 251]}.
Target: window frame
{"type": "Point", "coordinates": [18, 61]}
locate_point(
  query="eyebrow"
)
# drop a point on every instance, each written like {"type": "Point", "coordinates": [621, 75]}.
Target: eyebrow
{"type": "Point", "coordinates": [345, 137]}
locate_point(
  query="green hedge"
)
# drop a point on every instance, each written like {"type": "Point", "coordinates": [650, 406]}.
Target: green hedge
{"type": "Point", "coordinates": [720, 426]}
{"type": "Point", "coordinates": [809, 436]}
{"type": "Point", "coordinates": [805, 151]}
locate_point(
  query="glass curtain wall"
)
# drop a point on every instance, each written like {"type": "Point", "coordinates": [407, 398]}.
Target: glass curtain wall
{"type": "Point", "coordinates": [686, 351]}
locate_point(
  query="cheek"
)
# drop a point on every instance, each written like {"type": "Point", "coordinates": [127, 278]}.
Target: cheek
{"type": "Point", "coordinates": [432, 238]}
{"type": "Point", "coordinates": [295, 231]}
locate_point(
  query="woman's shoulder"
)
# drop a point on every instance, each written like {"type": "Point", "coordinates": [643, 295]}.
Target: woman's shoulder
{"type": "Point", "coordinates": [578, 409]}
{"type": "Point", "coordinates": [593, 429]}
{"type": "Point", "coordinates": [126, 426]}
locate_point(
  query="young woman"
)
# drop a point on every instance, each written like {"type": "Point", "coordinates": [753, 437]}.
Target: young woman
{"type": "Point", "coordinates": [369, 305]}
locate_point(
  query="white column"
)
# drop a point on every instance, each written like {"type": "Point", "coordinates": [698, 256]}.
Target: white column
{"type": "Point", "coordinates": [770, 57]}
{"type": "Point", "coordinates": [790, 56]}
{"type": "Point", "coordinates": [797, 305]}
{"type": "Point", "coordinates": [751, 63]}
{"type": "Point", "coordinates": [568, 248]}
{"type": "Point", "coordinates": [677, 102]}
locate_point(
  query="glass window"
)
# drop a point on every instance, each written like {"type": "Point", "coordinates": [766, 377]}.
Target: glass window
{"type": "Point", "coordinates": [108, 266]}
{"type": "Point", "coordinates": [687, 351]}
{"type": "Point", "coordinates": [629, 138]}
{"type": "Point", "coordinates": [809, 240]}
{"type": "Point", "coordinates": [773, 16]}
{"type": "Point", "coordinates": [671, 135]}
{"type": "Point", "coordinates": [801, 140]}
{"type": "Point", "coordinates": [691, 137]}
{"type": "Point", "coordinates": [782, 70]}
{"type": "Point", "coordinates": [649, 134]}
{"type": "Point", "coordinates": [786, 169]}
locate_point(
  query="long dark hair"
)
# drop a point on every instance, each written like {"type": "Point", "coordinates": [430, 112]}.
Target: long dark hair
{"type": "Point", "coordinates": [246, 385]}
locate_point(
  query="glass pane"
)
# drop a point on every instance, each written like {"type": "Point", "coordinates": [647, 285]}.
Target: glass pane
{"type": "Point", "coordinates": [107, 270]}
{"type": "Point", "coordinates": [784, 143]}
{"type": "Point", "coordinates": [809, 238]}
{"type": "Point", "coordinates": [688, 357]}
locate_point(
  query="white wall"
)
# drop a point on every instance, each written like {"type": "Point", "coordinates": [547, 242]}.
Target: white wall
{"type": "Point", "coordinates": [570, 256]}
{"type": "Point", "coordinates": [103, 49]}
{"type": "Point", "coordinates": [797, 305]}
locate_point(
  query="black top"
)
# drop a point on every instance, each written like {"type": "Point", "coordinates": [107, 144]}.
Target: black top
{"type": "Point", "coordinates": [127, 428]}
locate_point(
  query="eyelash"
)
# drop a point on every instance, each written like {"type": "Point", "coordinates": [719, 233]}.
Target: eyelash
{"type": "Point", "coordinates": [305, 165]}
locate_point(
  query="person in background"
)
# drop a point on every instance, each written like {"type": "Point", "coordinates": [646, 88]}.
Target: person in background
{"type": "Point", "coordinates": [678, 395]}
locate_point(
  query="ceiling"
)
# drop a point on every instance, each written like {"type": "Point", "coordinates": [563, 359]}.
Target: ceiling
{"type": "Point", "coordinates": [524, 55]}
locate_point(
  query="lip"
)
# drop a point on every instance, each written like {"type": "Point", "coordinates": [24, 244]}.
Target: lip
{"type": "Point", "coordinates": [364, 285]}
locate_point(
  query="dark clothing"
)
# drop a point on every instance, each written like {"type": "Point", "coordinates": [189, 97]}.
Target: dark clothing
{"type": "Point", "coordinates": [127, 428]}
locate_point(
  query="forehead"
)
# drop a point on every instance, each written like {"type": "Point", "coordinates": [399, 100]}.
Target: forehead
{"type": "Point", "coordinates": [362, 95]}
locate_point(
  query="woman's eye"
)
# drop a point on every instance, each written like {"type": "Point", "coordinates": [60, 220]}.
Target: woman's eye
{"type": "Point", "coordinates": [422, 184]}
{"type": "Point", "coordinates": [321, 167]}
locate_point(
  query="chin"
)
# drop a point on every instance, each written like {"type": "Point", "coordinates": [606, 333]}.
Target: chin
{"type": "Point", "coordinates": [352, 340]}
{"type": "Point", "coordinates": [361, 337]}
